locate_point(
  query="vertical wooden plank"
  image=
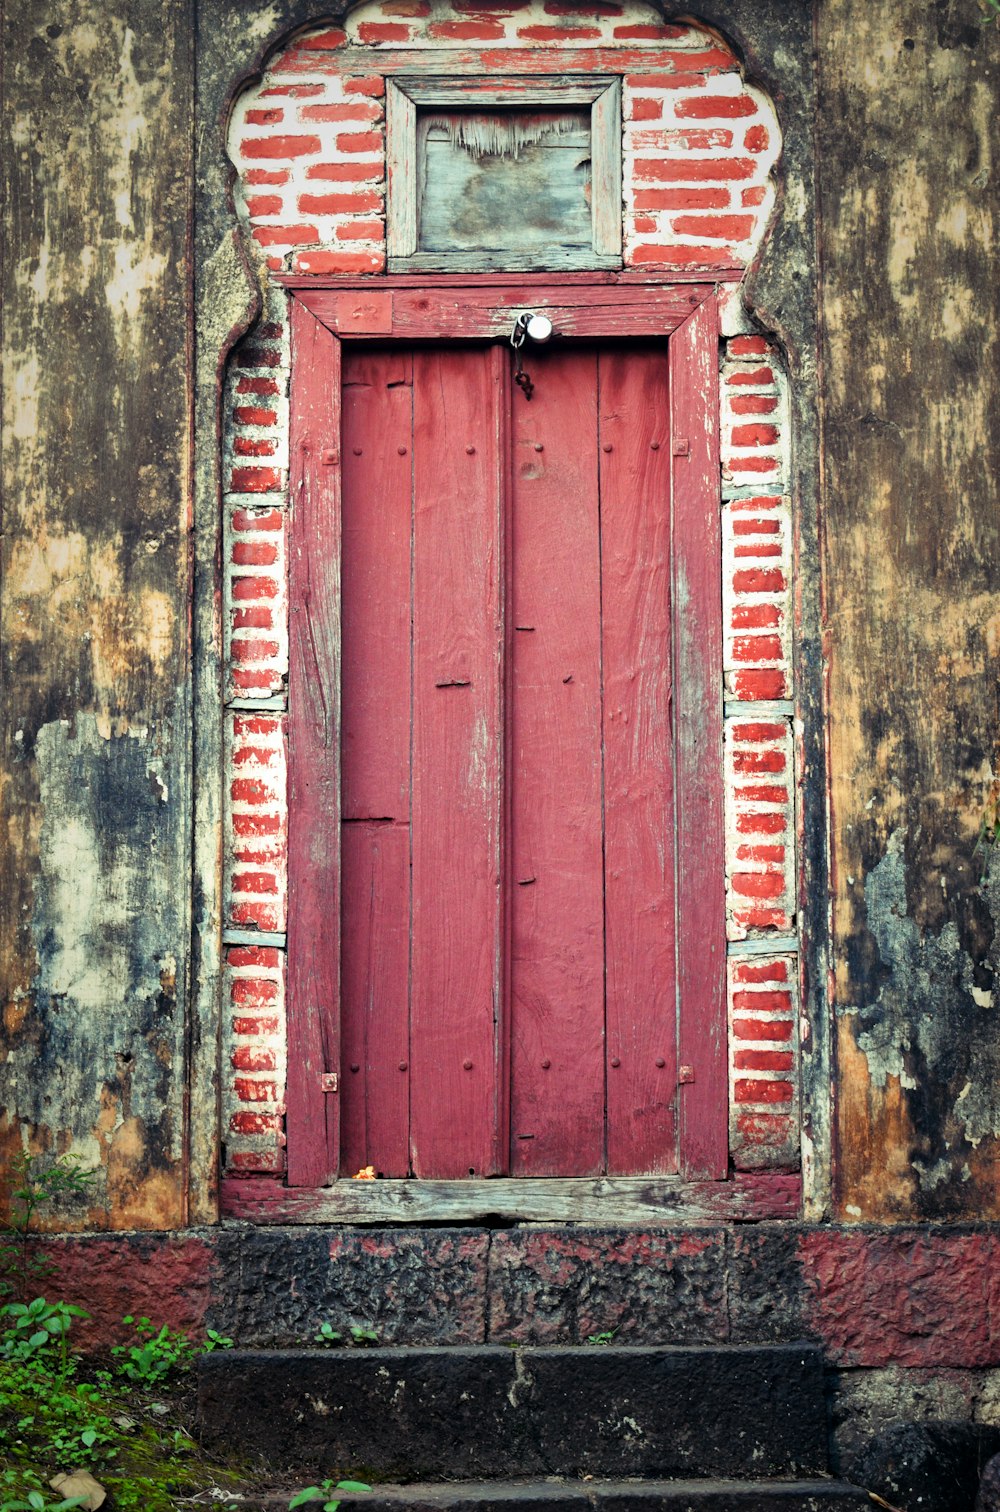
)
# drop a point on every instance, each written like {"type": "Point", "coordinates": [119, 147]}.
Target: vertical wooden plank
{"type": "Point", "coordinates": [697, 574]}
{"type": "Point", "coordinates": [457, 651]}
{"type": "Point", "coordinates": [557, 923]}
{"type": "Point", "coordinates": [314, 752]}
{"type": "Point", "coordinates": [638, 760]}
{"type": "Point", "coordinates": [401, 171]}
{"type": "Point", "coordinates": [375, 742]}
{"type": "Point", "coordinates": [606, 166]}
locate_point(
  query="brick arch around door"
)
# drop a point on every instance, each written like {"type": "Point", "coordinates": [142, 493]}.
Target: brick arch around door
{"type": "Point", "coordinates": [698, 150]}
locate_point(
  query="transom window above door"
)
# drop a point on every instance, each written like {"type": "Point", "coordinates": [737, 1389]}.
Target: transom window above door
{"type": "Point", "coordinates": [505, 174]}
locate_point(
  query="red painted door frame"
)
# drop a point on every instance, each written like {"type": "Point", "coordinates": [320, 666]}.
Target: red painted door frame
{"type": "Point", "coordinates": [323, 314]}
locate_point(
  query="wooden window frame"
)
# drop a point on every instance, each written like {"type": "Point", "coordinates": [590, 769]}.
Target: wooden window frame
{"type": "Point", "coordinates": [324, 313]}
{"type": "Point", "coordinates": [404, 96]}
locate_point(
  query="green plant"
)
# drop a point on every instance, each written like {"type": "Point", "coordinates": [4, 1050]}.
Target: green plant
{"type": "Point", "coordinates": [991, 9]}
{"type": "Point", "coordinates": [327, 1334]}
{"type": "Point", "coordinates": [38, 1502]}
{"type": "Point", "coordinates": [32, 1326]}
{"type": "Point", "coordinates": [363, 1335]}
{"type": "Point", "coordinates": [323, 1493]}
{"type": "Point", "coordinates": [157, 1354]}
{"type": "Point", "coordinates": [602, 1338]}
{"type": "Point", "coordinates": [214, 1340]}
{"type": "Point", "coordinates": [29, 1190]}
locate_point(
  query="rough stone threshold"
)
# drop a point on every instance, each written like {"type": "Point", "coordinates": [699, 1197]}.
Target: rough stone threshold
{"type": "Point", "coordinates": [749, 1198]}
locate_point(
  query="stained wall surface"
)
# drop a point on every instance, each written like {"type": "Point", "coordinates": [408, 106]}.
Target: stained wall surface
{"type": "Point", "coordinates": [102, 1015]}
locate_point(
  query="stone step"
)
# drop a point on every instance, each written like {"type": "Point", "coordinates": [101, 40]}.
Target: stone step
{"type": "Point", "coordinates": [489, 1412]}
{"type": "Point", "coordinates": [606, 1496]}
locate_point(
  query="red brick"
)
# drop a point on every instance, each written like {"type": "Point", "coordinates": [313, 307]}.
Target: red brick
{"type": "Point", "coordinates": [254, 480]}
{"type": "Point", "coordinates": [339, 262]}
{"type": "Point", "coordinates": [293, 91]}
{"type": "Point", "coordinates": [280, 146]}
{"type": "Point", "coordinates": [758, 731]}
{"type": "Point", "coordinates": [759, 683]}
{"type": "Point", "coordinates": [755, 616]}
{"type": "Point", "coordinates": [753, 404]}
{"type": "Point", "coordinates": [716, 107]}
{"type": "Point", "coordinates": [263, 755]}
{"type": "Point", "coordinates": [255, 724]}
{"type": "Point", "coordinates": [762, 792]}
{"type": "Point", "coordinates": [758, 761]}
{"type": "Point", "coordinates": [644, 109]}
{"type": "Point", "coordinates": [341, 204]}
{"type": "Point", "coordinates": [254, 587]}
{"type": "Point", "coordinates": [597, 10]}
{"type": "Point", "coordinates": [756, 527]}
{"type": "Point", "coordinates": [756, 139]}
{"type": "Point", "coordinates": [763, 1002]}
{"type": "Point", "coordinates": [758, 884]}
{"type": "Point", "coordinates": [266, 176]}
{"type": "Point", "coordinates": [761, 824]}
{"type": "Point", "coordinates": [384, 31]}
{"type": "Point", "coordinates": [259, 1162]}
{"type": "Point", "coordinates": [700, 257]}
{"type": "Point", "coordinates": [668, 81]}
{"type": "Point", "coordinates": [711, 60]}
{"type": "Point", "coordinates": [748, 346]}
{"type": "Point", "coordinates": [324, 41]}
{"type": "Point", "coordinates": [767, 855]}
{"type": "Point", "coordinates": [252, 992]}
{"type": "Point", "coordinates": [685, 170]}
{"type": "Point", "coordinates": [255, 1091]}
{"type": "Point", "coordinates": [759, 580]}
{"type": "Point", "coordinates": [253, 955]}
{"type": "Point", "coordinates": [260, 386]}
{"type": "Point", "coordinates": [752, 464]}
{"type": "Point", "coordinates": [558, 33]}
{"type": "Point", "coordinates": [256, 824]}
{"type": "Point", "coordinates": [359, 141]}
{"type": "Point", "coordinates": [285, 236]}
{"type": "Point", "coordinates": [257, 617]}
{"type": "Point", "coordinates": [643, 224]}
{"type": "Point", "coordinates": [255, 446]}
{"type": "Point", "coordinates": [255, 1123]}
{"type": "Point", "coordinates": [253, 650]}
{"type": "Point", "coordinates": [715, 227]}
{"type": "Point", "coordinates": [773, 1030]}
{"type": "Point", "coordinates": [250, 790]}
{"type": "Point", "coordinates": [250, 414]}
{"type": "Point", "coordinates": [360, 231]}
{"type": "Point", "coordinates": [251, 357]}
{"type": "Point", "coordinates": [755, 195]}
{"type": "Point", "coordinates": [764, 1130]}
{"type": "Point", "coordinates": [255, 916]}
{"type": "Point", "coordinates": [762, 1092]}
{"type": "Point", "coordinates": [743, 1060]}
{"type": "Point", "coordinates": [257, 882]}
{"type": "Point", "coordinates": [347, 110]}
{"type": "Point", "coordinates": [760, 971]}
{"type": "Point", "coordinates": [373, 84]}
{"type": "Point", "coordinates": [263, 519]}
{"type": "Point", "coordinates": [264, 117]}
{"type": "Point", "coordinates": [262, 1025]}
{"type": "Point", "coordinates": [250, 1058]}
{"type": "Point", "coordinates": [480, 31]}
{"type": "Point", "coordinates": [681, 199]}
{"type": "Point", "coordinates": [757, 648]}
{"type": "Point", "coordinates": [755, 378]}
{"type": "Point", "coordinates": [347, 173]}
{"type": "Point", "coordinates": [264, 204]}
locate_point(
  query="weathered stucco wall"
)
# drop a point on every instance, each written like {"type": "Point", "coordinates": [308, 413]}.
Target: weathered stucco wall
{"type": "Point", "coordinates": [908, 136]}
{"type": "Point", "coordinates": [94, 840]}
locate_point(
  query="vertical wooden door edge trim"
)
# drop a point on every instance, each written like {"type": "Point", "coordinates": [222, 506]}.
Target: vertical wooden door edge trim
{"type": "Point", "coordinates": [401, 171]}
{"type": "Point", "coordinates": [501, 367]}
{"type": "Point", "coordinates": [703, 1092]}
{"type": "Point", "coordinates": [313, 967]}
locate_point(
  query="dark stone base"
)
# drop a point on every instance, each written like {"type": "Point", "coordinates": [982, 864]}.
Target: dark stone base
{"type": "Point", "coordinates": [416, 1414]}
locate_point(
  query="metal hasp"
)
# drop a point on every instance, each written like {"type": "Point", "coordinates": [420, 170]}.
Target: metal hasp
{"type": "Point", "coordinates": [539, 329]}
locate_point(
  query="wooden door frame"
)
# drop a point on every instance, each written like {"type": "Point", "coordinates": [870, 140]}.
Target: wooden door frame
{"type": "Point", "coordinates": [325, 312]}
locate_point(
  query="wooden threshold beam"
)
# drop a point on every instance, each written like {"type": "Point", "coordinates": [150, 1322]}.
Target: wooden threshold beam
{"type": "Point", "coordinates": [747, 1198]}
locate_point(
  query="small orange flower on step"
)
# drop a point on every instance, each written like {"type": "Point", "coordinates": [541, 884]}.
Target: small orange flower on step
{"type": "Point", "coordinates": [366, 1173]}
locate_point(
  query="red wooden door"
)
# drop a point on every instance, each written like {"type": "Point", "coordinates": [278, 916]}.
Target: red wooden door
{"type": "Point", "coordinates": [519, 783]}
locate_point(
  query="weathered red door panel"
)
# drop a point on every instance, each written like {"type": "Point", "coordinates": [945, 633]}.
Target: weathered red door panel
{"type": "Point", "coordinates": [531, 843]}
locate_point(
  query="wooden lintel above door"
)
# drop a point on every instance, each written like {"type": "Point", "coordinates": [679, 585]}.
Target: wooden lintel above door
{"type": "Point", "coordinates": [480, 311]}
